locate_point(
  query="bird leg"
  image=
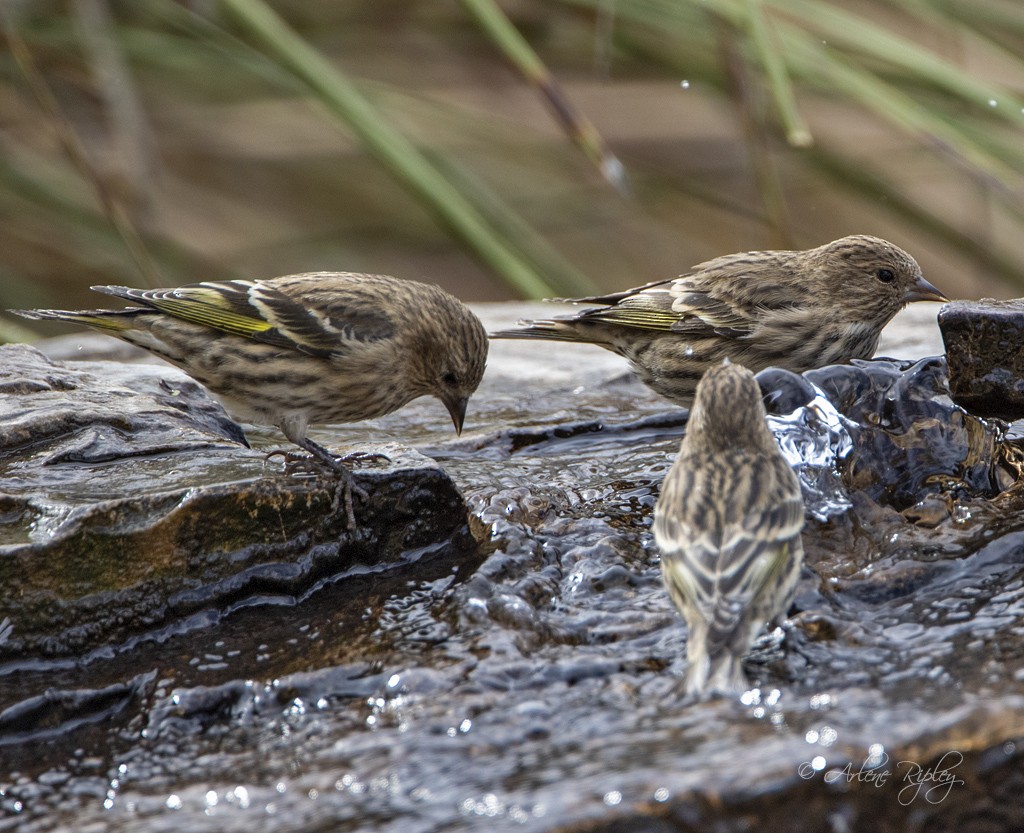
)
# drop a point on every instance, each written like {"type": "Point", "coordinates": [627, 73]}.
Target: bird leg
{"type": "Point", "coordinates": [320, 460]}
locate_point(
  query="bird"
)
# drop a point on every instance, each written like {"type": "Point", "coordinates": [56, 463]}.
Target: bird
{"type": "Point", "coordinates": [797, 310]}
{"type": "Point", "coordinates": [727, 524]}
{"type": "Point", "coordinates": [306, 349]}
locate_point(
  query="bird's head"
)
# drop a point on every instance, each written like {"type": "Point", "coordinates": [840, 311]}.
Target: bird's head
{"type": "Point", "coordinates": [871, 275]}
{"type": "Point", "coordinates": [452, 360]}
{"type": "Point", "coordinates": [728, 409]}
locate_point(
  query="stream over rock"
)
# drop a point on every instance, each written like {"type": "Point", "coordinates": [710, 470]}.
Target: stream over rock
{"type": "Point", "coordinates": [411, 676]}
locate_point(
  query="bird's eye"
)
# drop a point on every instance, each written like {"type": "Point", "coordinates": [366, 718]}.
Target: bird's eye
{"type": "Point", "coordinates": [885, 275]}
{"type": "Point", "coordinates": [450, 378]}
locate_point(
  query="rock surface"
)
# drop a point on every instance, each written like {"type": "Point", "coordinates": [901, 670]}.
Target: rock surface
{"type": "Point", "coordinates": [130, 502]}
{"type": "Point", "coordinates": [985, 351]}
{"type": "Point", "coordinates": [532, 684]}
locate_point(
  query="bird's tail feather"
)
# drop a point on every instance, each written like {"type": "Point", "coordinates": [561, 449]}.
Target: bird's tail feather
{"type": "Point", "coordinates": [720, 674]}
{"type": "Point", "coordinates": [113, 321]}
{"type": "Point", "coordinates": [547, 329]}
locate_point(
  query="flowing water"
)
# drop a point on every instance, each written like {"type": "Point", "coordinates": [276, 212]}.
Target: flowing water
{"type": "Point", "coordinates": [532, 682]}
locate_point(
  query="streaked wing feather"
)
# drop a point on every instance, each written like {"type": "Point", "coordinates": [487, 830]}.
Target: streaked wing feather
{"type": "Point", "coordinates": [318, 323]}
{"type": "Point", "coordinates": [221, 305]}
{"type": "Point", "coordinates": [692, 569]}
{"type": "Point", "coordinates": [753, 557]}
{"type": "Point", "coordinates": [614, 297]}
{"type": "Point", "coordinates": [720, 574]}
{"type": "Point", "coordinates": [652, 308]}
{"type": "Point", "coordinates": [703, 313]}
{"type": "Point", "coordinates": [324, 320]}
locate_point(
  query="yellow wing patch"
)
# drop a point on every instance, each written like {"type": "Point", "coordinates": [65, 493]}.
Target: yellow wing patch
{"type": "Point", "coordinates": [211, 309]}
{"type": "Point", "coordinates": [642, 318]}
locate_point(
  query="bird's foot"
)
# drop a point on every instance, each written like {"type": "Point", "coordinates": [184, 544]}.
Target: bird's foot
{"type": "Point", "coordinates": [298, 463]}
{"type": "Point", "coordinates": [365, 457]}
{"type": "Point", "coordinates": [319, 464]}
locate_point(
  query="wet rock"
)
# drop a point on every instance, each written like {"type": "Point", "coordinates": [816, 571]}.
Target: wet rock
{"type": "Point", "coordinates": [534, 687]}
{"type": "Point", "coordinates": [48, 714]}
{"type": "Point", "coordinates": [813, 436]}
{"type": "Point", "coordinates": [130, 502]}
{"type": "Point", "coordinates": [784, 391]}
{"type": "Point", "coordinates": [909, 440]}
{"type": "Point", "coordinates": [86, 412]}
{"type": "Point", "coordinates": [985, 351]}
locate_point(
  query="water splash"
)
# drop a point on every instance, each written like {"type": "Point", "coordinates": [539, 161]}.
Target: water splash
{"type": "Point", "coordinates": [814, 438]}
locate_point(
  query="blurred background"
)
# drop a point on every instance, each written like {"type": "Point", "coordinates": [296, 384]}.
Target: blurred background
{"type": "Point", "coordinates": [503, 149]}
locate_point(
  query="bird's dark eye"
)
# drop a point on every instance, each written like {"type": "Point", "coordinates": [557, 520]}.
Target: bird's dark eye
{"type": "Point", "coordinates": [885, 275]}
{"type": "Point", "coordinates": [450, 378]}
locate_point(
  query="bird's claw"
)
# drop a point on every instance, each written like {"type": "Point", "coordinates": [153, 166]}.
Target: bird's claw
{"type": "Point", "coordinates": [298, 463]}
{"type": "Point", "coordinates": [365, 457]}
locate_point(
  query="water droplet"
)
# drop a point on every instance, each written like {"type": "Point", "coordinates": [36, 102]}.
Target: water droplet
{"type": "Point", "coordinates": [993, 103]}
{"type": "Point", "coordinates": [612, 797]}
{"type": "Point", "coordinates": [173, 802]}
{"type": "Point", "coordinates": [684, 84]}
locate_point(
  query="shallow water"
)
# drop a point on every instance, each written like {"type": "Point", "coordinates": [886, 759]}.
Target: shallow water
{"type": "Point", "coordinates": [533, 684]}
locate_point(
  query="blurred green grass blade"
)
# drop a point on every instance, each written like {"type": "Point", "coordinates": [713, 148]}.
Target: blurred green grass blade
{"type": "Point", "coordinates": [835, 74]}
{"type": "Point", "coordinates": [526, 239]}
{"type": "Point", "coordinates": [519, 52]}
{"type": "Point", "coordinates": [877, 189]}
{"type": "Point", "coordinates": [852, 31]}
{"type": "Point", "coordinates": [186, 53]}
{"type": "Point", "coordinates": [75, 151]}
{"type": "Point", "coordinates": [779, 84]}
{"type": "Point", "coordinates": [52, 210]}
{"type": "Point", "coordinates": [982, 16]}
{"type": "Point", "coordinates": [796, 23]}
{"type": "Point", "coordinates": [763, 163]}
{"type": "Point", "coordinates": [341, 97]}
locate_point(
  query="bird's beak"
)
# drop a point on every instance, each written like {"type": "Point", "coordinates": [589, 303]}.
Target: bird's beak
{"type": "Point", "coordinates": [457, 408]}
{"type": "Point", "coordinates": [923, 291]}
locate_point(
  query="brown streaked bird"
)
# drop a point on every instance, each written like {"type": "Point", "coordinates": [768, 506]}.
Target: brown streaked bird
{"type": "Point", "coordinates": [727, 524]}
{"type": "Point", "coordinates": [797, 310]}
{"type": "Point", "coordinates": [319, 347]}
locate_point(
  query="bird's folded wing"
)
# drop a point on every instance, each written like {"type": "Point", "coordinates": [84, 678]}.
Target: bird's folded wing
{"type": "Point", "coordinates": [722, 575]}
{"type": "Point", "coordinates": [263, 313]}
{"type": "Point", "coordinates": [699, 313]}
{"type": "Point", "coordinates": [676, 306]}
{"type": "Point", "coordinates": [223, 305]}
